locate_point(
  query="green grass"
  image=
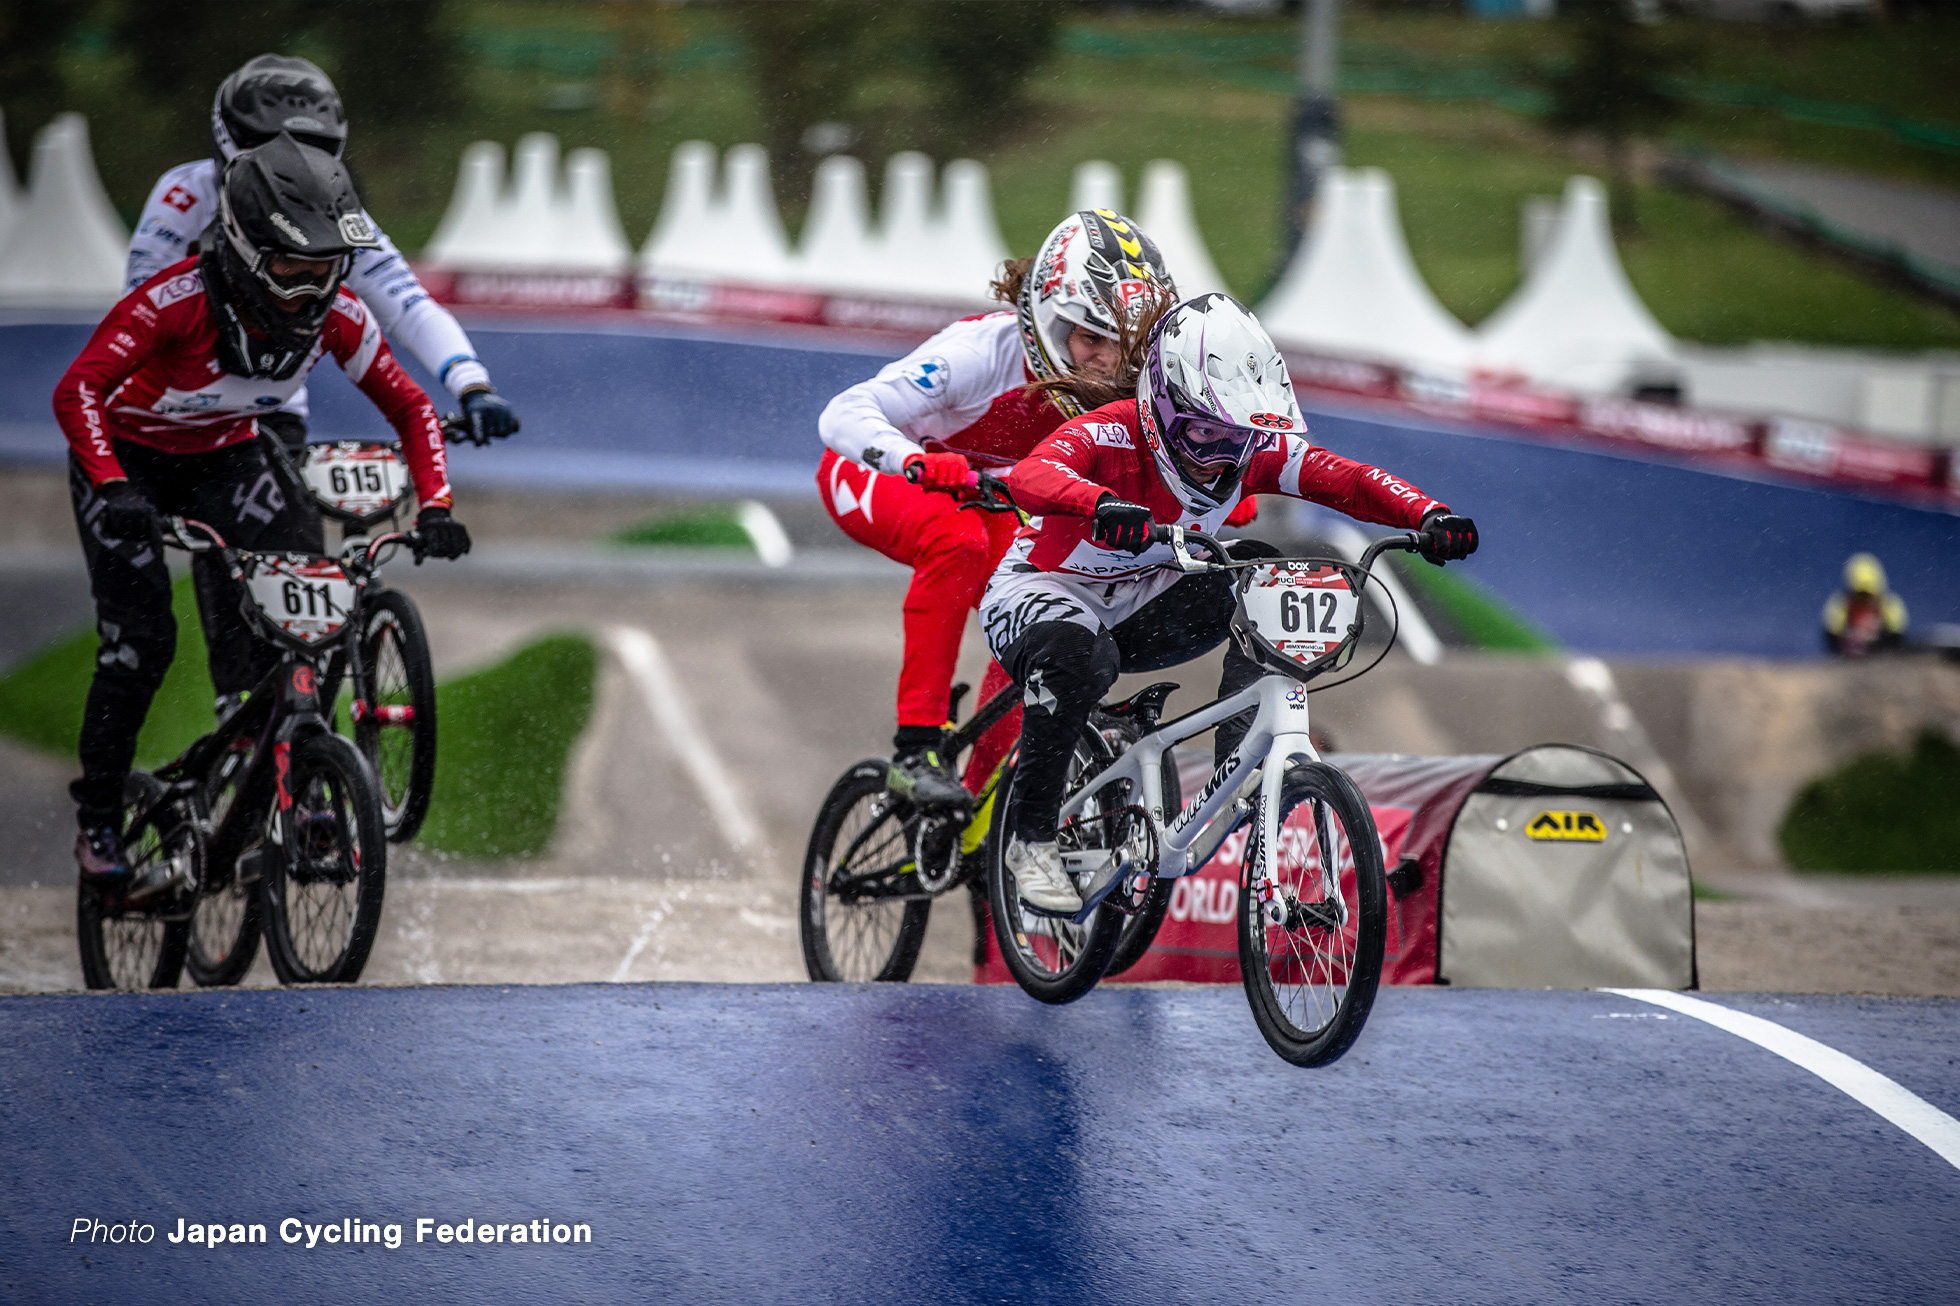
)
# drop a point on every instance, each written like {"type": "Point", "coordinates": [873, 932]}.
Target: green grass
{"type": "Point", "coordinates": [1481, 617]}
{"type": "Point", "coordinates": [41, 700]}
{"type": "Point", "coordinates": [702, 528]}
{"type": "Point", "coordinates": [1882, 812]}
{"type": "Point", "coordinates": [506, 739]}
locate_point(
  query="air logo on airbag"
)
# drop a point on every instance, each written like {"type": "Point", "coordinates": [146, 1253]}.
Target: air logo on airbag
{"type": "Point", "coordinates": [1566, 827]}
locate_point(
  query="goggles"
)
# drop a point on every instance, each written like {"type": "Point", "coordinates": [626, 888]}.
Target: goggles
{"type": "Point", "coordinates": [1212, 446]}
{"type": "Point", "coordinates": [292, 278]}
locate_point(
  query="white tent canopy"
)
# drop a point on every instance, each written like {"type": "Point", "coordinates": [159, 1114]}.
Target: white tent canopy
{"type": "Point", "coordinates": [1098, 184]}
{"type": "Point", "coordinates": [590, 238]}
{"type": "Point", "coordinates": [906, 242]}
{"type": "Point", "coordinates": [460, 239]}
{"type": "Point", "coordinates": [1165, 216]}
{"type": "Point", "coordinates": [753, 247]}
{"type": "Point", "coordinates": [1576, 323]}
{"type": "Point", "coordinates": [685, 239]}
{"type": "Point", "coordinates": [11, 199]}
{"type": "Point", "coordinates": [836, 251]}
{"type": "Point", "coordinates": [525, 234]}
{"type": "Point", "coordinates": [66, 247]}
{"type": "Point", "coordinates": [968, 237]}
{"type": "Point", "coordinates": [1352, 287]}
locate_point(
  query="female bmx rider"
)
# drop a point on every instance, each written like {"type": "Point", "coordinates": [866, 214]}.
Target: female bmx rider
{"type": "Point", "coordinates": [1083, 595]}
{"type": "Point", "coordinates": [161, 409]}
{"type": "Point", "coordinates": [899, 441]}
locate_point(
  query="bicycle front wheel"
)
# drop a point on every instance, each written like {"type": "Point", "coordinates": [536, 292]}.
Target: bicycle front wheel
{"type": "Point", "coordinates": [860, 918]}
{"type": "Point", "coordinates": [322, 885]}
{"type": "Point", "coordinates": [1310, 954]}
{"type": "Point", "coordinates": [140, 944]}
{"type": "Point", "coordinates": [396, 724]}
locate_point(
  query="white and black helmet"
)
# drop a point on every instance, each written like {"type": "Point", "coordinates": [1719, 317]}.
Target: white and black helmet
{"type": "Point", "coordinates": [1213, 391]}
{"type": "Point", "coordinates": [1095, 269]}
{"type": "Point", "coordinates": [282, 203]}
{"type": "Point", "coordinates": [271, 94]}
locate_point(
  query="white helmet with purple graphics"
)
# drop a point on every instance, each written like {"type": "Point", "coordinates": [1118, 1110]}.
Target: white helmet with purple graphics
{"type": "Point", "coordinates": [1212, 392]}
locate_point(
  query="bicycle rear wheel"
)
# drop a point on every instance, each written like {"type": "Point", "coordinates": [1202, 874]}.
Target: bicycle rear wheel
{"type": "Point", "coordinates": [1056, 960]}
{"type": "Point", "coordinates": [396, 726]}
{"type": "Point", "coordinates": [323, 883]}
{"type": "Point", "coordinates": [140, 945]}
{"type": "Point", "coordinates": [1310, 975]}
{"type": "Point", "coordinates": [854, 924]}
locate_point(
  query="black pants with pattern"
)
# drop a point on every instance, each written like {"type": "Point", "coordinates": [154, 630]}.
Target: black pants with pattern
{"type": "Point", "coordinates": [1064, 670]}
{"type": "Point", "coordinates": [236, 492]}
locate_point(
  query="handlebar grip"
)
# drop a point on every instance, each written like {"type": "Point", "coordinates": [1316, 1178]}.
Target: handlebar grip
{"type": "Point", "coordinates": [914, 471]}
{"type": "Point", "coordinates": [1160, 534]}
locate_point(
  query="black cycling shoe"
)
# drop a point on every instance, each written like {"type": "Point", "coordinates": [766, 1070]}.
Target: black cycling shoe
{"type": "Point", "coordinates": [100, 858]}
{"type": "Point", "coordinates": [920, 775]}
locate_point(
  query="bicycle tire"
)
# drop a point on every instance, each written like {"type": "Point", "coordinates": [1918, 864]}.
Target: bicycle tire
{"type": "Point", "coordinates": [1053, 960]}
{"type": "Point", "coordinates": [1334, 971]}
{"type": "Point", "coordinates": [142, 948]}
{"type": "Point", "coordinates": [226, 922]}
{"type": "Point", "coordinates": [879, 944]}
{"type": "Point", "coordinates": [397, 674]}
{"type": "Point", "coordinates": [323, 883]}
{"type": "Point", "coordinates": [1140, 930]}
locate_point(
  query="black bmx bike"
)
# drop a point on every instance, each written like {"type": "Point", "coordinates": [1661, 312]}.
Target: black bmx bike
{"type": "Point", "coordinates": [272, 825]}
{"type": "Point", "coordinates": [876, 861]}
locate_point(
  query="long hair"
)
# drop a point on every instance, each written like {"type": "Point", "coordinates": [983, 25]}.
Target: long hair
{"type": "Point", "coordinates": [1133, 334]}
{"type": "Point", "coordinates": [1006, 288]}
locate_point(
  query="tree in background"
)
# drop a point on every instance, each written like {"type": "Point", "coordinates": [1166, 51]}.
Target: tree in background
{"type": "Point", "coordinates": [32, 33]}
{"type": "Point", "coordinates": [957, 71]}
{"type": "Point", "coordinates": [1615, 86]}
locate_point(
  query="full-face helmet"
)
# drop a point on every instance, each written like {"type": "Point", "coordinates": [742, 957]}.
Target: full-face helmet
{"type": "Point", "coordinates": [1095, 270]}
{"type": "Point", "coordinates": [1212, 392]}
{"type": "Point", "coordinates": [271, 94]}
{"type": "Point", "coordinates": [288, 225]}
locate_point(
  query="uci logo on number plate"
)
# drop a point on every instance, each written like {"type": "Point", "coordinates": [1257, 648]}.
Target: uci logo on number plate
{"type": "Point", "coordinates": [1566, 827]}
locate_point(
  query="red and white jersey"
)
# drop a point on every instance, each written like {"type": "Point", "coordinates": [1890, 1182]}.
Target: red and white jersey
{"type": "Point", "coordinates": [963, 391]}
{"type": "Point", "coordinates": [1102, 452]}
{"type": "Point", "coordinates": [150, 375]}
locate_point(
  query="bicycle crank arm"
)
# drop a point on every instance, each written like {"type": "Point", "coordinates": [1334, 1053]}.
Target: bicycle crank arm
{"type": "Point", "coordinates": [1106, 872]}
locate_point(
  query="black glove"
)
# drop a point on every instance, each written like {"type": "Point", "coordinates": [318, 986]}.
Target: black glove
{"type": "Point", "coordinates": [126, 514]}
{"type": "Point", "coordinates": [1447, 537]}
{"type": "Point", "coordinates": [442, 535]}
{"type": "Point", "coordinates": [489, 414]}
{"type": "Point", "coordinates": [1122, 526]}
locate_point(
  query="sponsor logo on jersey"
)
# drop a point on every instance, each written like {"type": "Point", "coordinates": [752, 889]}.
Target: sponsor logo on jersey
{"type": "Point", "coordinates": [1271, 421]}
{"type": "Point", "coordinates": [930, 375]}
{"type": "Point", "coordinates": [1110, 435]}
{"type": "Point", "coordinates": [288, 226]}
{"type": "Point", "coordinates": [1566, 827]}
{"type": "Point", "coordinates": [179, 402]}
{"type": "Point", "coordinates": [181, 287]}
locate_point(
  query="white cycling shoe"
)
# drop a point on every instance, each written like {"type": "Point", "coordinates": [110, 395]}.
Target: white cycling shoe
{"type": "Point", "coordinates": [1039, 880]}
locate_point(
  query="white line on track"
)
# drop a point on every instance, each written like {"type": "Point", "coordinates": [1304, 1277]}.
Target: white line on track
{"type": "Point", "coordinates": [647, 666]}
{"type": "Point", "coordinates": [1901, 1106]}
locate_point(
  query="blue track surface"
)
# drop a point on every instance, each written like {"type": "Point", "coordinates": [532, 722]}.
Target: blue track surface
{"type": "Point", "coordinates": [926, 1144]}
{"type": "Point", "coordinates": [1610, 554]}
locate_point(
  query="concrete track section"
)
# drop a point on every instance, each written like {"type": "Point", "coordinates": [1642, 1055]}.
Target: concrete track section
{"type": "Point", "coordinates": [908, 1144]}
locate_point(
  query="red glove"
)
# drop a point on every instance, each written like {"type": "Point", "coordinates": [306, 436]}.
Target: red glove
{"type": "Point", "coordinates": [1246, 513]}
{"type": "Point", "coordinates": [946, 472]}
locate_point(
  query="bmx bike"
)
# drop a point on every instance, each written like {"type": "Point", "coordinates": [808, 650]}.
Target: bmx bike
{"type": "Point", "coordinates": [271, 825]}
{"type": "Point", "coordinates": [876, 861]}
{"type": "Point", "coordinates": [1312, 904]}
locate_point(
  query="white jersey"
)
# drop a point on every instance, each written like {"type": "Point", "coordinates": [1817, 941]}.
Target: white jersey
{"type": "Point", "coordinates": [185, 200]}
{"type": "Point", "coordinates": [932, 394]}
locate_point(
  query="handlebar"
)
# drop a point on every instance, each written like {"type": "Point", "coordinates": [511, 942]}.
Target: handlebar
{"type": "Point", "coordinates": [455, 426]}
{"type": "Point", "coordinates": [989, 492]}
{"type": "Point", "coordinates": [1180, 539]}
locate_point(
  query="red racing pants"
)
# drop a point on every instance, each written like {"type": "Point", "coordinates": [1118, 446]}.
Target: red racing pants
{"type": "Point", "coordinates": [951, 553]}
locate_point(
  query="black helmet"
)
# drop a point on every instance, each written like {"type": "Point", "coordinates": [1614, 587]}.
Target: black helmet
{"type": "Point", "coordinates": [273, 94]}
{"type": "Point", "coordinates": [281, 199]}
